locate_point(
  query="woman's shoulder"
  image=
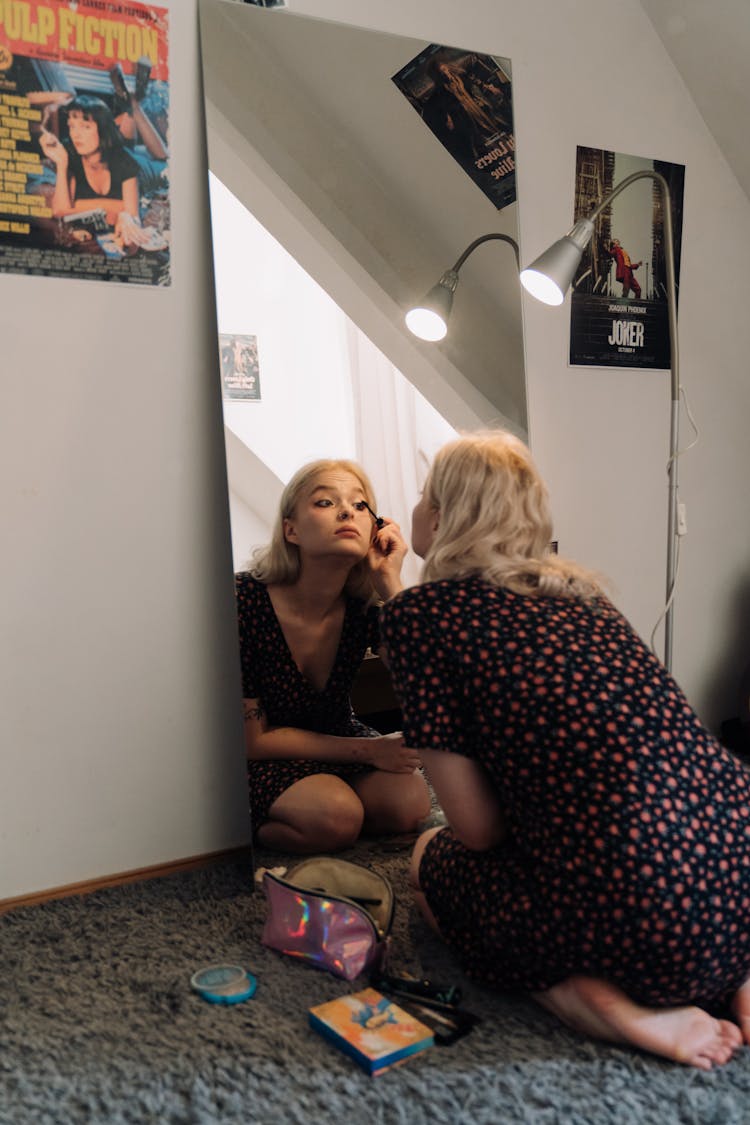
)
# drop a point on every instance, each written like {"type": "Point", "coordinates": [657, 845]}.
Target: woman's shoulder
{"type": "Point", "coordinates": [247, 586]}
{"type": "Point", "coordinates": [436, 595]}
{"type": "Point", "coordinates": [246, 577]}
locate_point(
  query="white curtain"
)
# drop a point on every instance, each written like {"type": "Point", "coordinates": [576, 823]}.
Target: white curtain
{"type": "Point", "coordinates": [397, 432]}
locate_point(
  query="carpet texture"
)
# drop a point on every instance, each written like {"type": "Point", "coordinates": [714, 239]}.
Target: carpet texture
{"type": "Point", "coordinates": [98, 1024]}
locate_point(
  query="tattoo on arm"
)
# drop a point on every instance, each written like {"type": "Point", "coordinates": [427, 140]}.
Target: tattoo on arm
{"type": "Point", "coordinates": [253, 711]}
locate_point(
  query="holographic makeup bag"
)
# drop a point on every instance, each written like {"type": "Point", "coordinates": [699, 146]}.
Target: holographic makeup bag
{"type": "Point", "coordinates": [331, 913]}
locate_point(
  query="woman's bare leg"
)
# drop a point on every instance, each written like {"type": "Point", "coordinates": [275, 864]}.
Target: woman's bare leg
{"type": "Point", "coordinates": [416, 859]}
{"type": "Point", "coordinates": [741, 1009]}
{"type": "Point", "coordinates": [688, 1035]}
{"type": "Point", "coordinates": [393, 802]}
{"type": "Point", "coordinates": [319, 813]}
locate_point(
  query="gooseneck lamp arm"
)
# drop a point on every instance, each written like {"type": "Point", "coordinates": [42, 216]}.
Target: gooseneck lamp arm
{"type": "Point", "coordinates": [429, 319]}
{"type": "Point", "coordinates": [548, 278]}
{"type": "Point", "coordinates": [486, 238]}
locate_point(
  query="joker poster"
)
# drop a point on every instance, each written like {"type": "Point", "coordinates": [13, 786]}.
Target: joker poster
{"type": "Point", "coordinates": [619, 314]}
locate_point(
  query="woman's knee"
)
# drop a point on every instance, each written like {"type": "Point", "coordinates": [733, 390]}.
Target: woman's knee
{"type": "Point", "coordinates": [338, 820]}
{"type": "Point", "coordinates": [393, 803]}
{"type": "Point", "coordinates": [416, 802]}
{"type": "Point", "coordinates": [322, 810]}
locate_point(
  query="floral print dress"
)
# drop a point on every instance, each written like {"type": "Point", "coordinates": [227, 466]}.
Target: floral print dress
{"type": "Point", "coordinates": [270, 675]}
{"type": "Point", "coordinates": [628, 847]}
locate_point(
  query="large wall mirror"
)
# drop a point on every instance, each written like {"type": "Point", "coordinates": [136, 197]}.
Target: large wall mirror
{"type": "Point", "coordinates": [333, 208]}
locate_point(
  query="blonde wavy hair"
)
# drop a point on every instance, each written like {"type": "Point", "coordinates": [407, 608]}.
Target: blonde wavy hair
{"type": "Point", "coordinates": [279, 561]}
{"type": "Point", "coordinates": [494, 520]}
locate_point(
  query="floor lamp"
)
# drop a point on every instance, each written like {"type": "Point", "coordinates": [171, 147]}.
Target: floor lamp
{"type": "Point", "coordinates": [429, 319]}
{"type": "Point", "coordinates": [548, 278]}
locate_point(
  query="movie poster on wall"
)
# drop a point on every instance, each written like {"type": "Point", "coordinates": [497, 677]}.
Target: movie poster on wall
{"type": "Point", "coordinates": [466, 100]}
{"type": "Point", "coordinates": [240, 368]}
{"type": "Point", "coordinates": [619, 314]}
{"type": "Point", "coordinates": [84, 124]}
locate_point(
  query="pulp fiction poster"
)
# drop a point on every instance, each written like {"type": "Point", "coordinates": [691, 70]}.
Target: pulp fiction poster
{"type": "Point", "coordinates": [619, 315]}
{"type": "Point", "coordinates": [84, 125]}
{"type": "Point", "coordinates": [466, 100]}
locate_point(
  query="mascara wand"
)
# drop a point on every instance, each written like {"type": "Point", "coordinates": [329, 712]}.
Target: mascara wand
{"type": "Point", "coordinates": [379, 521]}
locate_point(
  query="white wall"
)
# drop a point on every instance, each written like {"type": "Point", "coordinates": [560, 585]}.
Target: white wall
{"type": "Point", "coordinates": [119, 676]}
{"type": "Point", "coordinates": [120, 729]}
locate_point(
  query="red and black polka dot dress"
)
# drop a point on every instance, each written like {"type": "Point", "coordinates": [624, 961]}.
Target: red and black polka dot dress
{"type": "Point", "coordinates": [288, 699]}
{"type": "Point", "coordinates": [628, 853]}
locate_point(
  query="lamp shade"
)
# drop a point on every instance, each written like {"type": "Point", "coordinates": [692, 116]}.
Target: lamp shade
{"type": "Point", "coordinates": [429, 319]}
{"type": "Point", "coordinates": [550, 275]}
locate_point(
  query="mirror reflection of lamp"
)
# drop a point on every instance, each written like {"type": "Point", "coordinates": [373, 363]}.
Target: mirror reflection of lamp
{"type": "Point", "coordinates": [429, 319]}
{"type": "Point", "coordinates": [548, 278]}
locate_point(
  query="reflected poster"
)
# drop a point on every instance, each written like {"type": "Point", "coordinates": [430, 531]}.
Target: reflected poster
{"type": "Point", "coordinates": [240, 369]}
{"type": "Point", "coordinates": [466, 100]}
{"type": "Point", "coordinates": [84, 127]}
{"type": "Point", "coordinates": [619, 312]}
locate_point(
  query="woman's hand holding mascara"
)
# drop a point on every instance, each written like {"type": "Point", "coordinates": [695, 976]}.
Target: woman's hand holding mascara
{"type": "Point", "coordinates": [386, 556]}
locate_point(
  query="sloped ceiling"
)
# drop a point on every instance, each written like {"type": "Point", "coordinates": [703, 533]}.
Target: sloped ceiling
{"type": "Point", "coordinates": [709, 44]}
{"type": "Point", "coordinates": [315, 99]}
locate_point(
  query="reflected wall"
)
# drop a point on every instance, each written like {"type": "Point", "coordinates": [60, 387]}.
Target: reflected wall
{"type": "Point", "coordinates": [307, 130]}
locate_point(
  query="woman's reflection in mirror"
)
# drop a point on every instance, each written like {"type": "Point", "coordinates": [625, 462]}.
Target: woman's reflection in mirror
{"type": "Point", "coordinates": [308, 611]}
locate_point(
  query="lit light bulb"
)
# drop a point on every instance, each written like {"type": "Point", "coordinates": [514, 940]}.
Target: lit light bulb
{"type": "Point", "coordinates": [426, 324]}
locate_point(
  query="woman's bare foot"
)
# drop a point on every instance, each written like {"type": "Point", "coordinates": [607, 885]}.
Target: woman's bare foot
{"type": "Point", "coordinates": [741, 1009]}
{"type": "Point", "coordinates": [687, 1035]}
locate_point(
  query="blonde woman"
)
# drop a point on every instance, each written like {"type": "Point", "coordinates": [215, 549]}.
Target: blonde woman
{"type": "Point", "coordinates": [307, 613]}
{"type": "Point", "coordinates": [597, 853]}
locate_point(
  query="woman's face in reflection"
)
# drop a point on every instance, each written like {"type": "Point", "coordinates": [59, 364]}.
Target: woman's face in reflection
{"type": "Point", "coordinates": [331, 518]}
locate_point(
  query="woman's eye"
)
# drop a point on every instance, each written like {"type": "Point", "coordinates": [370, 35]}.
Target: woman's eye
{"type": "Point", "coordinates": [323, 503]}
{"type": "Point", "coordinates": [360, 505]}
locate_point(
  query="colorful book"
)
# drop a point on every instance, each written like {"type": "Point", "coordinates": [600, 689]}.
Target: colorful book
{"type": "Point", "coordinates": [371, 1029]}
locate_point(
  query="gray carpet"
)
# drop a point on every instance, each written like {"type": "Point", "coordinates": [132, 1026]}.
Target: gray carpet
{"type": "Point", "coordinates": [99, 1025]}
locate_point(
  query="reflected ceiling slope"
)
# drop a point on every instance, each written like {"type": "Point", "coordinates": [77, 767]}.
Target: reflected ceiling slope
{"type": "Point", "coordinates": [257, 486]}
{"type": "Point", "coordinates": [316, 100]}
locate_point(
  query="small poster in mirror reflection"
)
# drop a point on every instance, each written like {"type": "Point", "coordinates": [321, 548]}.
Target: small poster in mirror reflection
{"type": "Point", "coordinates": [619, 314]}
{"type": "Point", "coordinates": [84, 124]}
{"type": "Point", "coordinates": [466, 100]}
{"type": "Point", "coordinates": [240, 371]}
